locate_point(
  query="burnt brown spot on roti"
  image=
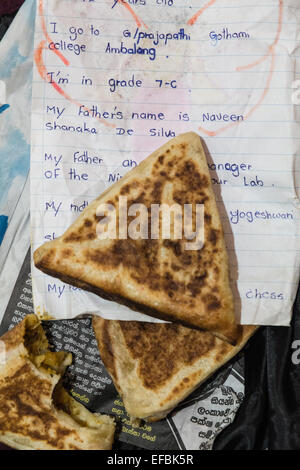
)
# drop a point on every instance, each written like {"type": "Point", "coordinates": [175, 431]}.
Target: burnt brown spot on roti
{"type": "Point", "coordinates": [175, 245]}
{"type": "Point", "coordinates": [87, 231]}
{"type": "Point", "coordinates": [14, 337]}
{"type": "Point", "coordinates": [175, 267]}
{"type": "Point", "coordinates": [156, 192]}
{"type": "Point", "coordinates": [91, 236]}
{"type": "Point", "coordinates": [217, 272]}
{"type": "Point", "coordinates": [186, 259]}
{"type": "Point", "coordinates": [163, 349]}
{"type": "Point", "coordinates": [211, 301]}
{"type": "Point", "coordinates": [99, 257]}
{"type": "Point", "coordinates": [72, 237]}
{"type": "Point", "coordinates": [88, 223]}
{"type": "Point", "coordinates": [140, 199]}
{"type": "Point", "coordinates": [125, 189]}
{"type": "Point", "coordinates": [67, 252]}
{"type": "Point", "coordinates": [125, 251]}
{"type": "Point", "coordinates": [214, 236]}
{"type": "Point", "coordinates": [169, 284]}
{"type": "Point", "coordinates": [180, 197]}
{"type": "Point", "coordinates": [143, 268]}
{"type": "Point", "coordinates": [189, 175]}
{"type": "Point", "coordinates": [215, 305]}
{"type": "Point", "coordinates": [47, 258]}
{"type": "Point", "coordinates": [197, 283]}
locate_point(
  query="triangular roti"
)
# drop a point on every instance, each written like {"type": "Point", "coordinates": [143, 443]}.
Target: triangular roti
{"type": "Point", "coordinates": [36, 413]}
{"type": "Point", "coordinates": [156, 366]}
{"type": "Point", "coordinates": [159, 277]}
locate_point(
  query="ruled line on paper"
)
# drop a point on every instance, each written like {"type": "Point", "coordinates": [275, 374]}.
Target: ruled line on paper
{"type": "Point", "coordinates": [183, 88]}
{"type": "Point", "coordinates": [145, 151]}
{"type": "Point", "coordinates": [207, 72]}
{"type": "Point", "coordinates": [129, 21]}
{"type": "Point", "coordinates": [185, 5]}
{"type": "Point", "coordinates": [236, 137]}
{"type": "Point", "coordinates": [178, 104]}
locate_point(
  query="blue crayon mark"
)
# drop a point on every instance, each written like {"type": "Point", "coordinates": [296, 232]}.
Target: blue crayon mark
{"type": "Point", "coordinates": [3, 226]}
{"type": "Point", "coordinates": [14, 162]}
{"type": "Point", "coordinates": [3, 107]}
{"type": "Point", "coordinates": [15, 60]}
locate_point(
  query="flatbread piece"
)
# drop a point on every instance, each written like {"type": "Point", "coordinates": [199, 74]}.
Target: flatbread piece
{"type": "Point", "coordinates": [159, 277]}
{"type": "Point", "coordinates": [156, 366]}
{"type": "Point", "coordinates": [36, 413]}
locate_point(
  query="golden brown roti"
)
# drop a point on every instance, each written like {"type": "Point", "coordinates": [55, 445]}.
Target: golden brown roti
{"type": "Point", "coordinates": [155, 366]}
{"type": "Point", "coordinates": [35, 411]}
{"type": "Point", "coordinates": [159, 277]}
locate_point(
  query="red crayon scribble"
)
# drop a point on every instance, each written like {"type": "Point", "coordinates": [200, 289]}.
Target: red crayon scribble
{"type": "Point", "coordinates": [271, 48]}
{"type": "Point", "coordinates": [38, 58]}
{"type": "Point", "coordinates": [41, 12]}
{"type": "Point", "coordinates": [138, 21]}
{"type": "Point", "coordinates": [270, 53]}
{"type": "Point", "coordinates": [251, 111]}
{"type": "Point", "coordinates": [199, 12]}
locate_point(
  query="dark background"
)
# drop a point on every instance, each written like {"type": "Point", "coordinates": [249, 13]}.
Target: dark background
{"type": "Point", "coordinates": [8, 9]}
{"type": "Point", "coordinates": [269, 417]}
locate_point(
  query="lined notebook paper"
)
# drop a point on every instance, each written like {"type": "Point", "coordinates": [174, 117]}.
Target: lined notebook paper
{"type": "Point", "coordinates": [114, 80]}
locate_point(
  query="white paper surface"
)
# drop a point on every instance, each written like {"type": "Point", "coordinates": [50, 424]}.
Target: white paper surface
{"type": "Point", "coordinates": [222, 68]}
{"type": "Point", "coordinates": [199, 422]}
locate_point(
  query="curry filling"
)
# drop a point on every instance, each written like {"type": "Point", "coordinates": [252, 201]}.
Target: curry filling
{"type": "Point", "coordinates": [55, 363]}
